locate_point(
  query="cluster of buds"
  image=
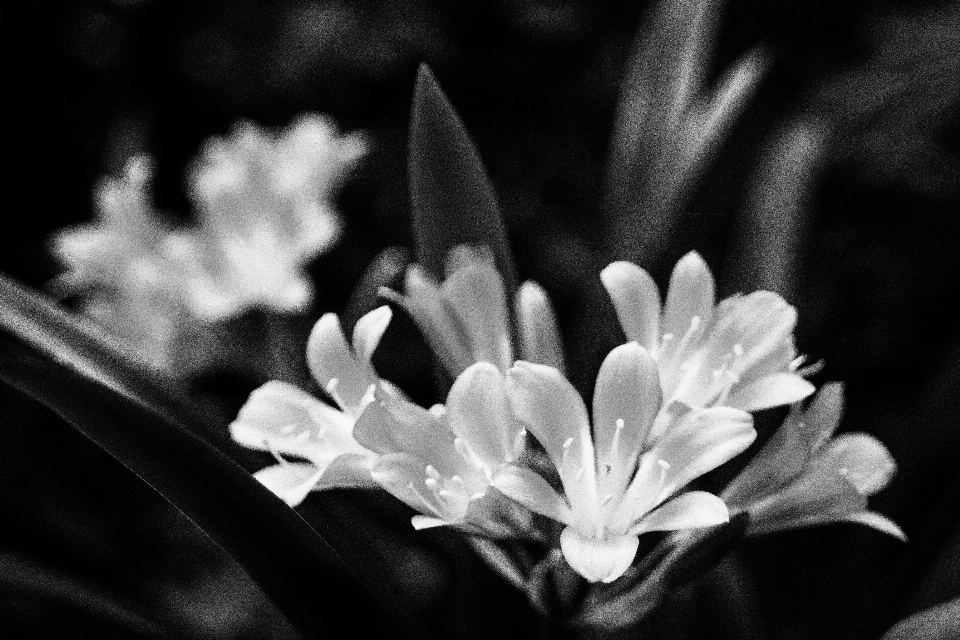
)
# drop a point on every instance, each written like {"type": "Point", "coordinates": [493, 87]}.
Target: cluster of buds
{"type": "Point", "coordinates": [265, 210]}
{"type": "Point", "coordinates": [514, 438]}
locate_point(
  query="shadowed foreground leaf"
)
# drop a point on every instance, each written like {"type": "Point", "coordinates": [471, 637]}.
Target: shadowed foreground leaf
{"type": "Point", "coordinates": [81, 345]}
{"type": "Point", "coordinates": [451, 196]}
{"type": "Point", "coordinates": [297, 569]}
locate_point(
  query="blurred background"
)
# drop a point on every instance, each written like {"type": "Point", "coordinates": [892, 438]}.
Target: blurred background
{"type": "Point", "coordinates": [870, 256]}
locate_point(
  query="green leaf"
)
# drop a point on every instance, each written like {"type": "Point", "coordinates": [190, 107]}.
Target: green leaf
{"type": "Point", "coordinates": [452, 200]}
{"type": "Point", "coordinates": [293, 564]}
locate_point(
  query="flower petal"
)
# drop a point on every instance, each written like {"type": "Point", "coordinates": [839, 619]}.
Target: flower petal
{"type": "Point", "coordinates": [334, 365]}
{"type": "Point", "coordinates": [440, 326]}
{"type": "Point", "coordinates": [407, 478]}
{"type": "Point", "coordinates": [879, 522]}
{"type": "Point", "coordinates": [475, 291]}
{"type": "Point", "coordinates": [702, 440]}
{"type": "Point", "coordinates": [554, 413]}
{"type": "Point", "coordinates": [533, 492]}
{"type": "Point", "coordinates": [861, 459]}
{"type": "Point", "coordinates": [689, 511]}
{"type": "Point", "coordinates": [690, 295]}
{"type": "Point", "coordinates": [822, 417]}
{"type": "Point", "coordinates": [637, 301]}
{"type": "Point", "coordinates": [818, 496]}
{"type": "Point", "coordinates": [348, 471]}
{"type": "Point", "coordinates": [595, 559]}
{"type": "Point", "coordinates": [479, 412]}
{"type": "Point", "coordinates": [540, 340]}
{"type": "Point", "coordinates": [625, 402]}
{"type": "Point", "coordinates": [290, 482]}
{"type": "Point", "coordinates": [283, 418]}
{"type": "Point", "coordinates": [770, 391]}
{"type": "Point", "coordinates": [368, 331]}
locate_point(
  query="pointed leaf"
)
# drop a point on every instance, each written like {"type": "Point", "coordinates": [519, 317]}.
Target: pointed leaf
{"type": "Point", "coordinates": [452, 200]}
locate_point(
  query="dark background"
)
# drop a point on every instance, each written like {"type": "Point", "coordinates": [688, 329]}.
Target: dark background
{"type": "Point", "coordinates": [86, 84]}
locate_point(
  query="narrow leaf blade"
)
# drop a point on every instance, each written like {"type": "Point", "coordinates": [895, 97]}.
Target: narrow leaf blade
{"type": "Point", "coordinates": [450, 193]}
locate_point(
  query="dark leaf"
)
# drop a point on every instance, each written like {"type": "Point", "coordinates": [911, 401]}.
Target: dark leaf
{"type": "Point", "coordinates": [452, 200]}
{"type": "Point", "coordinates": [303, 575]}
{"type": "Point", "coordinates": [80, 345]}
{"type": "Point", "coordinates": [937, 623]}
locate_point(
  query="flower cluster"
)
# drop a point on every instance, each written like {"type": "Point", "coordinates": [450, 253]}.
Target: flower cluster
{"type": "Point", "coordinates": [264, 204]}
{"type": "Point", "coordinates": [669, 405]}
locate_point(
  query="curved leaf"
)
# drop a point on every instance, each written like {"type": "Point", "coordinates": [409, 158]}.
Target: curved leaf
{"type": "Point", "coordinates": [450, 194]}
{"type": "Point", "coordinates": [303, 575]}
{"type": "Point", "coordinates": [81, 345]}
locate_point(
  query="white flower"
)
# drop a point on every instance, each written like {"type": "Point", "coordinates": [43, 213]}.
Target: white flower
{"type": "Point", "coordinates": [466, 319]}
{"type": "Point", "coordinates": [117, 266]}
{"type": "Point", "coordinates": [804, 477]}
{"type": "Point", "coordinates": [621, 481]}
{"type": "Point", "coordinates": [739, 353]}
{"type": "Point", "coordinates": [287, 421]}
{"type": "Point", "coordinates": [441, 462]}
{"type": "Point", "coordinates": [265, 206]}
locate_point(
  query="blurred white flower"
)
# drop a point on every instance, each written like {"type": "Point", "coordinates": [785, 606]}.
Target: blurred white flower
{"type": "Point", "coordinates": [804, 477]}
{"type": "Point", "coordinates": [287, 421]}
{"type": "Point", "coordinates": [117, 267]}
{"type": "Point", "coordinates": [738, 353]}
{"type": "Point", "coordinates": [466, 319]}
{"type": "Point", "coordinates": [266, 210]}
{"type": "Point", "coordinates": [621, 481]}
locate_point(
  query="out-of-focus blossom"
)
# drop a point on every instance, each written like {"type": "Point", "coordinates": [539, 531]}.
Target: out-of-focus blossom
{"type": "Point", "coordinates": [738, 353]}
{"type": "Point", "coordinates": [619, 482]}
{"type": "Point", "coordinates": [117, 266]}
{"type": "Point", "coordinates": [266, 210]}
{"type": "Point", "coordinates": [804, 477]}
{"type": "Point", "coordinates": [466, 319]}
{"type": "Point", "coordinates": [283, 419]}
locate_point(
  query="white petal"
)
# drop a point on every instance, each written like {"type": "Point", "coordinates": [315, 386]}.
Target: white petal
{"type": "Point", "coordinates": [861, 459]}
{"type": "Point", "coordinates": [336, 368]}
{"type": "Point", "coordinates": [290, 482]}
{"type": "Point", "coordinates": [625, 402]}
{"type": "Point", "coordinates": [690, 295]}
{"type": "Point", "coordinates": [595, 559]}
{"type": "Point", "coordinates": [475, 291]}
{"type": "Point", "coordinates": [283, 418]}
{"type": "Point", "coordinates": [637, 301]}
{"type": "Point", "coordinates": [478, 411]}
{"type": "Point", "coordinates": [700, 442]}
{"type": "Point", "coordinates": [818, 496]}
{"type": "Point", "coordinates": [439, 325]}
{"type": "Point", "coordinates": [533, 492]}
{"type": "Point", "coordinates": [822, 417]}
{"type": "Point", "coordinates": [540, 340]}
{"type": "Point", "coordinates": [688, 511]}
{"type": "Point", "coordinates": [554, 413]}
{"type": "Point", "coordinates": [368, 331]}
{"type": "Point", "coordinates": [426, 522]}
{"type": "Point", "coordinates": [781, 459]}
{"type": "Point", "coordinates": [770, 391]}
{"type": "Point", "coordinates": [348, 471]}
{"type": "Point", "coordinates": [879, 522]}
